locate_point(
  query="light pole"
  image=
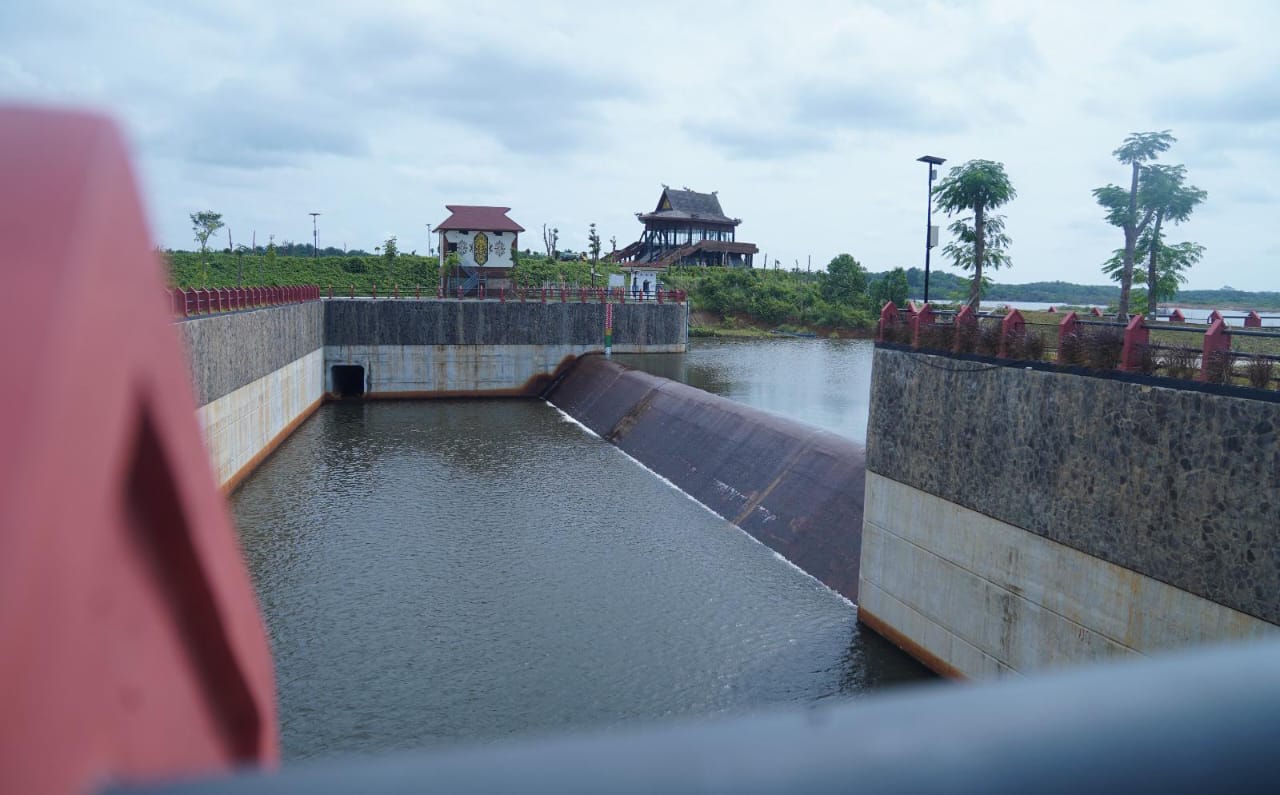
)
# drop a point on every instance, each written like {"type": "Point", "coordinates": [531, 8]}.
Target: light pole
{"type": "Point", "coordinates": [930, 237]}
{"type": "Point", "coordinates": [428, 240]}
{"type": "Point", "coordinates": [315, 237]}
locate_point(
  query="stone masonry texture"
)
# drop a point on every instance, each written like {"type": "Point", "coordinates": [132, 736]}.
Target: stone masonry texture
{"type": "Point", "coordinates": [1180, 485]}
{"type": "Point", "coordinates": [413, 322]}
{"type": "Point", "coordinates": [227, 351]}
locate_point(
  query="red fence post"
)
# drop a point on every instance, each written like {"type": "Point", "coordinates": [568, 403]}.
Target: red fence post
{"type": "Point", "coordinates": [1253, 320]}
{"type": "Point", "coordinates": [967, 321]}
{"type": "Point", "coordinates": [482, 291]}
{"type": "Point", "coordinates": [544, 294]}
{"type": "Point", "coordinates": [1176, 316]}
{"type": "Point", "coordinates": [459, 292]}
{"type": "Point", "coordinates": [1013, 325]}
{"type": "Point", "coordinates": [1136, 338]}
{"type": "Point", "coordinates": [1214, 316]}
{"type": "Point", "coordinates": [502, 294]}
{"type": "Point", "coordinates": [1068, 327]}
{"type": "Point", "coordinates": [922, 317]}
{"type": "Point", "coordinates": [564, 296]}
{"type": "Point", "coordinates": [1216, 340]}
{"type": "Point", "coordinates": [1053, 310]}
{"type": "Point", "coordinates": [417, 291]}
{"type": "Point", "coordinates": [353, 290]}
{"type": "Point", "coordinates": [888, 317]}
{"type": "Point", "coordinates": [1095, 311]}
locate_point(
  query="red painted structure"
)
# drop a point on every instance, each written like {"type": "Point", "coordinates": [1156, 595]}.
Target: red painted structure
{"type": "Point", "coordinates": [1136, 340]}
{"type": "Point", "coordinates": [132, 644]}
{"type": "Point", "coordinates": [1011, 327]}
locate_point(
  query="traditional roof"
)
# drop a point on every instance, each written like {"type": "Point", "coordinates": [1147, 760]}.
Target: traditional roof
{"type": "Point", "coordinates": [677, 205]}
{"type": "Point", "coordinates": [488, 219]}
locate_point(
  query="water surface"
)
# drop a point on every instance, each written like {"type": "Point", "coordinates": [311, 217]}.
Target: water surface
{"type": "Point", "coordinates": [441, 571]}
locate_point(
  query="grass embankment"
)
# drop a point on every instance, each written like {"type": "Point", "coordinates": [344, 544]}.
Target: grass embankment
{"type": "Point", "coordinates": [220, 269]}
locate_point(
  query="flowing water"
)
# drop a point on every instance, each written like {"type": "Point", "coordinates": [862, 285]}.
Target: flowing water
{"type": "Point", "coordinates": [469, 570]}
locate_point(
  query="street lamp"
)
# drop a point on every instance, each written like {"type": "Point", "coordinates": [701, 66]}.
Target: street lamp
{"type": "Point", "coordinates": [428, 240]}
{"type": "Point", "coordinates": [315, 237]}
{"type": "Point", "coordinates": [930, 232]}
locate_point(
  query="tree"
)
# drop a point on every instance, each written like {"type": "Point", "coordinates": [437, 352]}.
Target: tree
{"type": "Point", "coordinates": [845, 281]}
{"type": "Point", "coordinates": [963, 250]}
{"type": "Point", "coordinates": [204, 224]}
{"type": "Point", "coordinates": [892, 286]}
{"type": "Point", "coordinates": [390, 249]}
{"type": "Point", "coordinates": [549, 238]}
{"type": "Point", "coordinates": [593, 244]}
{"type": "Point", "coordinates": [977, 186]}
{"type": "Point", "coordinates": [1163, 193]}
{"type": "Point", "coordinates": [1171, 264]}
{"type": "Point", "coordinates": [1122, 206]}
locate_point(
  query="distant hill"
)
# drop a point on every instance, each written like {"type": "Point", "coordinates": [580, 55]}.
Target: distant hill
{"type": "Point", "coordinates": [950, 286]}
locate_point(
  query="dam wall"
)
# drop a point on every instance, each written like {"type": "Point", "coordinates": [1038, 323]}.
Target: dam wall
{"type": "Point", "coordinates": [429, 348]}
{"type": "Point", "coordinates": [258, 374]}
{"type": "Point", "coordinates": [796, 488]}
{"type": "Point", "coordinates": [1024, 518]}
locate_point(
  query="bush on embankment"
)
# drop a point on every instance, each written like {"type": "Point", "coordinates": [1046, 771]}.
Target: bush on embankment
{"type": "Point", "coordinates": [813, 301]}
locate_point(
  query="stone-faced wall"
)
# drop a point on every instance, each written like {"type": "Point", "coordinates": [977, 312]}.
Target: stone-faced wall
{"type": "Point", "coordinates": [636, 327]}
{"type": "Point", "coordinates": [228, 351]}
{"type": "Point", "coordinates": [1179, 485]}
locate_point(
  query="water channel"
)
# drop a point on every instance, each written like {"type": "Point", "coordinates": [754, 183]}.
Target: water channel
{"type": "Point", "coordinates": [470, 570]}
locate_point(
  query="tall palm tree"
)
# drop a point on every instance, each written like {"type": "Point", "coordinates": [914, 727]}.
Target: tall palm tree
{"type": "Point", "coordinates": [1122, 206]}
{"type": "Point", "coordinates": [976, 186]}
{"type": "Point", "coordinates": [1166, 197]}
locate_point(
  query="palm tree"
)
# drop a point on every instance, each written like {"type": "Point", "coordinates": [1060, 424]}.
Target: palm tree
{"type": "Point", "coordinates": [1122, 205]}
{"type": "Point", "coordinates": [976, 186]}
{"type": "Point", "coordinates": [1166, 198]}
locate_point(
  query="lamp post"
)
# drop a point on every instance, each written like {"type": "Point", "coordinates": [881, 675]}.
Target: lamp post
{"type": "Point", "coordinates": [315, 237]}
{"type": "Point", "coordinates": [930, 237]}
{"type": "Point", "coordinates": [428, 240]}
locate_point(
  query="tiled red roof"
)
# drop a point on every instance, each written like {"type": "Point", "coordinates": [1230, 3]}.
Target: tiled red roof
{"type": "Point", "coordinates": [487, 219]}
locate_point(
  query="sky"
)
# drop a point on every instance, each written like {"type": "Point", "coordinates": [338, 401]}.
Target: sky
{"type": "Point", "coordinates": [805, 117]}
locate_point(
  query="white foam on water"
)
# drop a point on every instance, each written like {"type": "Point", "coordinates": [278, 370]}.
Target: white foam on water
{"type": "Point", "coordinates": [566, 417]}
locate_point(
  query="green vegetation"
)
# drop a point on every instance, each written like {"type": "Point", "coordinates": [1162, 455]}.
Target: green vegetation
{"type": "Point", "coordinates": [837, 300]}
{"type": "Point", "coordinates": [978, 186]}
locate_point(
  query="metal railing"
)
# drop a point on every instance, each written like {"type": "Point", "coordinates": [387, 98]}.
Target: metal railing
{"type": "Point", "coordinates": [193, 301]}
{"type": "Point", "coordinates": [546, 295]}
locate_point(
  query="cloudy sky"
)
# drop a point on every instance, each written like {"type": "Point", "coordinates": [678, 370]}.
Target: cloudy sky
{"type": "Point", "coordinates": [807, 117]}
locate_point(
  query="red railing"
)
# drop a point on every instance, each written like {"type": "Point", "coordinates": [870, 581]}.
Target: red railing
{"type": "Point", "coordinates": [193, 301]}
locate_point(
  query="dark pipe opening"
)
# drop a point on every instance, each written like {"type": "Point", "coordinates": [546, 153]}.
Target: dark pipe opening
{"type": "Point", "coordinates": [348, 380]}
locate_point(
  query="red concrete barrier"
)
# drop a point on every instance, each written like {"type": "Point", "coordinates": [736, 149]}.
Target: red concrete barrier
{"type": "Point", "coordinates": [966, 323]}
{"type": "Point", "coordinates": [1095, 311]}
{"type": "Point", "coordinates": [1136, 339]}
{"type": "Point", "coordinates": [1214, 316]}
{"type": "Point", "coordinates": [1013, 325]}
{"type": "Point", "coordinates": [1069, 326]}
{"type": "Point", "coordinates": [922, 317]}
{"type": "Point", "coordinates": [1253, 320]}
{"type": "Point", "coordinates": [133, 647]}
{"type": "Point", "coordinates": [888, 316]}
{"type": "Point", "coordinates": [1216, 340]}
{"type": "Point", "coordinates": [1176, 316]}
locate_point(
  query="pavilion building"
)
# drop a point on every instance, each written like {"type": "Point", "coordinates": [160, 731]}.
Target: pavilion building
{"type": "Point", "coordinates": [687, 228]}
{"type": "Point", "coordinates": [485, 240]}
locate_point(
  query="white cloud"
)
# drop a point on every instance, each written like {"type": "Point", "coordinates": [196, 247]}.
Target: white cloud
{"type": "Point", "coordinates": [807, 118]}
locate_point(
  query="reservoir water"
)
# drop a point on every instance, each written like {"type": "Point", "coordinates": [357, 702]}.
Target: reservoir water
{"type": "Point", "coordinates": [465, 571]}
{"type": "Point", "coordinates": [822, 382]}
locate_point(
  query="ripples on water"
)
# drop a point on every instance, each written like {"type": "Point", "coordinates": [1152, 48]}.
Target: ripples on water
{"type": "Point", "coordinates": [436, 571]}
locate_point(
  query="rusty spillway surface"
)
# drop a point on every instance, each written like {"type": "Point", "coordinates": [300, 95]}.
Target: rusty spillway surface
{"type": "Point", "coordinates": [796, 488]}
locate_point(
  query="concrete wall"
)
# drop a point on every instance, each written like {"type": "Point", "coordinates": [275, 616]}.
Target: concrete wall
{"type": "Point", "coordinates": [412, 348]}
{"type": "Point", "coordinates": [257, 375]}
{"type": "Point", "coordinates": [796, 488]}
{"type": "Point", "coordinates": [1020, 519]}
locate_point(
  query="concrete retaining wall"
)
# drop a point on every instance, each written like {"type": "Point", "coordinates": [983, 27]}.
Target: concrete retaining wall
{"type": "Point", "coordinates": [796, 488]}
{"type": "Point", "coordinates": [257, 375]}
{"type": "Point", "coordinates": [1020, 519]}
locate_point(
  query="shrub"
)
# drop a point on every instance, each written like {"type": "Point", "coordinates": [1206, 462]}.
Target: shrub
{"type": "Point", "coordinates": [989, 335]}
{"type": "Point", "coordinates": [1071, 350]}
{"type": "Point", "coordinates": [1180, 362]}
{"type": "Point", "coordinates": [1219, 367]}
{"type": "Point", "coordinates": [1259, 371]}
{"type": "Point", "coordinates": [1102, 347]}
{"type": "Point", "coordinates": [353, 265]}
{"type": "Point", "coordinates": [937, 336]}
